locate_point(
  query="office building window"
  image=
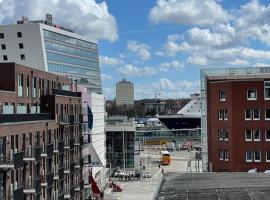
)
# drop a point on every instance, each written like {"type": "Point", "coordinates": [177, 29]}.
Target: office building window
{"type": "Point", "coordinates": [222, 95]}
{"type": "Point", "coordinates": [267, 156]}
{"type": "Point", "coordinates": [267, 114]}
{"type": "Point", "coordinates": [256, 135]}
{"type": "Point", "coordinates": [266, 90]}
{"type": "Point", "coordinates": [267, 135]}
{"type": "Point", "coordinates": [3, 47]}
{"type": "Point", "coordinates": [249, 156]}
{"type": "Point", "coordinates": [19, 34]}
{"type": "Point", "coordinates": [248, 135]}
{"type": "Point", "coordinates": [256, 114]}
{"type": "Point", "coordinates": [2, 35]}
{"type": "Point", "coordinates": [34, 87]}
{"type": "Point", "coordinates": [22, 57]}
{"type": "Point", "coordinates": [252, 94]}
{"type": "Point", "coordinates": [248, 114]}
{"type": "Point", "coordinates": [20, 45]}
{"type": "Point", "coordinates": [257, 156]}
{"type": "Point", "coordinates": [5, 57]}
{"type": "Point", "coordinates": [27, 86]}
{"type": "Point", "coordinates": [20, 85]}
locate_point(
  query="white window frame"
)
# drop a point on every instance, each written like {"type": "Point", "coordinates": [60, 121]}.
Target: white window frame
{"type": "Point", "coordinates": [254, 112]}
{"type": "Point", "coordinates": [253, 133]}
{"type": "Point", "coordinates": [250, 98]}
{"type": "Point", "coordinates": [219, 95]}
{"type": "Point", "coordinates": [251, 156]}
{"type": "Point", "coordinates": [255, 156]}
{"type": "Point", "coordinates": [267, 140]}
{"type": "Point", "coordinates": [248, 140]}
{"type": "Point", "coordinates": [267, 160]}
{"type": "Point", "coordinates": [265, 114]}
{"type": "Point", "coordinates": [220, 114]}
{"type": "Point", "coordinates": [221, 154]}
{"type": "Point", "coordinates": [248, 119]}
{"type": "Point", "coordinates": [220, 133]}
{"type": "Point", "coordinates": [266, 87]}
{"type": "Point", "coordinates": [226, 155]}
{"type": "Point", "coordinates": [224, 134]}
{"type": "Point", "coordinates": [225, 116]}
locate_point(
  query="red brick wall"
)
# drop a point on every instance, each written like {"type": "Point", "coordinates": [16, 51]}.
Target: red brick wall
{"type": "Point", "coordinates": [236, 103]}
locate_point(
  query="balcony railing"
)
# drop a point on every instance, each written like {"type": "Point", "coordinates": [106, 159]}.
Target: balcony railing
{"type": "Point", "coordinates": [47, 150]}
{"type": "Point", "coordinates": [9, 118]}
{"type": "Point", "coordinates": [66, 93]}
{"type": "Point", "coordinates": [13, 160]}
{"type": "Point", "coordinates": [32, 154]}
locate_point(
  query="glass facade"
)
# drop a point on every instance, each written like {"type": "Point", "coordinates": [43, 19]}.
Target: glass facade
{"type": "Point", "coordinates": [73, 57]}
{"type": "Point", "coordinates": [114, 146]}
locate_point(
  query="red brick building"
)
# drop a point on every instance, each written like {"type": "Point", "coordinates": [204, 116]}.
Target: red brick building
{"type": "Point", "coordinates": [40, 135]}
{"type": "Point", "coordinates": [238, 122]}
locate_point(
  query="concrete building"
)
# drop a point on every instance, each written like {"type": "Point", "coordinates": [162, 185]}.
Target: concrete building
{"type": "Point", "coordinates": [53, 48]}
{"type": "Point", "coordinates": [124, 95]}
{"type": "Point", "coordinates": [235, 115]}
{"type": "Point", "coordinates": [40, 136]}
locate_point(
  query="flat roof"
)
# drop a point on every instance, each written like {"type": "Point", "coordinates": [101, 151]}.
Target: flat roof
{"type": "Point", "coordinates": [213, 186]}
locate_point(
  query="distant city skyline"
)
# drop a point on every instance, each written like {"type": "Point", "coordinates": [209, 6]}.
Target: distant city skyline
{"type": "Point", "coordinates": [161, 45]}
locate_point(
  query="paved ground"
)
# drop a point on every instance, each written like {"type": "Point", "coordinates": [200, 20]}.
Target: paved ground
{"type": "Point", "coordinates": [215, 186]}
{"type": "Point", "coordinates": [143, 189]}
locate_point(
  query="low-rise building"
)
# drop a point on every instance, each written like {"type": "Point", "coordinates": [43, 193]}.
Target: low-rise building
{"type": "Point", "coordinates": [235, 115]}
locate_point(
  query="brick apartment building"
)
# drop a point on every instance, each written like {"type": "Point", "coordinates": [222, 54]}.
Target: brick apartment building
{"type": "Point", "coordinates": [236, 119]}
{"type": "Point", "coordinates": [40, 136]}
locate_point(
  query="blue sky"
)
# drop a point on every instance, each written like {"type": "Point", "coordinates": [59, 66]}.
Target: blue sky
{"type": "Point", "coordinates": [234, 34]}
{"type": "Point", "coordinates": [160, 45]}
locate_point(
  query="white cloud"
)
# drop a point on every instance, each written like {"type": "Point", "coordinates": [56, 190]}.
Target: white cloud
{"type": "Point", "coordinates": [262, 65]}
{"type": "Point", "coordinates": [166, 84]}
{"type": "Point", "coordinates": [189, 12]}
{"type": "Point", "coordinates": [197, 60]}
{"type": "Point", "coordinates": [140, 49]}
{"type": "Point", "coordinates": [252, 20]}
{"type": "Point", "coordinates": [131, 70]}
{"type": "Point", "coordinates": [109, 61]}
{"type": "Point", "coordinates": [106, 77]}
{"type": "Point", "coordinates": [239, 62]}
{"type": "Point", "coordinates": [204, 37]}
{"type": "Point", "coordinates": [84, 16]}
{"type": "Point", "coordinates": [175, 64]}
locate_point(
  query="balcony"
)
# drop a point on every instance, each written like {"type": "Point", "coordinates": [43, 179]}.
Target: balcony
{"type": "Point", "coordinates": [71, 143]}
{"type": "Point", "coordinates": [72, 167]}
{"type": "Point", "coordinates": [81, 118]}
{"type": "Point", "coordinates": [32, 186]}
{"type": "Point", "coordinates": [49, 178]}
{"type": "Point", "coordinates": [61, 146]}
{"type": "Point", "coordinates": [13, 161]}
{"type": "Point", "coordinates": [13, 118]}
{"type": "Point", "coordinates": [66, 93]}
{"type": "Point", "coordinates": [47, 150]}
{"type": "Point", "coordinates": [80, 186]}
{"type": "Point", "coordinates": [61, 173]}
{"type": "Point", "coordinates": [71, 119]}
{"type": "Point", "coordinates": [32, 154]}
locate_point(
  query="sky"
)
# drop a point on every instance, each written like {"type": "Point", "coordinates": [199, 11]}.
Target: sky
{"type": "Point", "coordinates": [160, 45]}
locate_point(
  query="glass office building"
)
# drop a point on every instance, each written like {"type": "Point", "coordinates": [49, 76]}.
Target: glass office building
{"type": "Point", "coordinates": [73, 57]}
